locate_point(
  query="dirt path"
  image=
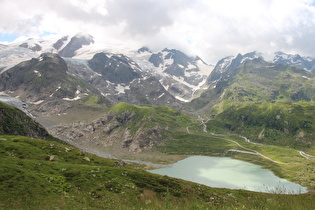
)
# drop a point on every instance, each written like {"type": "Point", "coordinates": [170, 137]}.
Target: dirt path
{"type": "Point", "coordinates": [307, 156]}
{"type": "Point", "coordinates": [246, 150]}
{"type": "Point", "coordinates": [303, 154]}
{"type": "Point", "coordinates": [249, 151]}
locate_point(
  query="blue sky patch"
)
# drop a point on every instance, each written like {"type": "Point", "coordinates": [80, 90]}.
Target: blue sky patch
{"type": "Point", "coordinates": [8, 37]}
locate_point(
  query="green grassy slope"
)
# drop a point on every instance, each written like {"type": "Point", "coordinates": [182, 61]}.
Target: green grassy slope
{"type": "Point", "coordinates": [268, 103]}
{"type": "Point", "coordinates": [40, 174]}
{"type": "Point", "coordinates": [150, 116]}
{"type": "Point", "coordinates": [284, 124]}
{"type": "Point", "coordinates": [259, 81]}
{"type": "Point", "coordinates": [128, 129]}
{"type": "Point", "coordinates": [284, 162]}
{"type": "Point", "coordinates": [15, 122]}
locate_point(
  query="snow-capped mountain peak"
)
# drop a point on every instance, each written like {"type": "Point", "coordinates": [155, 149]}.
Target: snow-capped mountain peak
{"type": "Point", "coordinates": [86, 36]}
{"type": "Point", "coordinates": [252, 55]}
{"type": "Point", "coordinates": [32, 44]}
{"type": "Point", "coordinates": [307, 63]}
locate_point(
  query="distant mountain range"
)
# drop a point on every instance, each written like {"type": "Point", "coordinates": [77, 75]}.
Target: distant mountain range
{"type": "Point", "coordinates": [306, 63]}
{"type": "Point", "coordinates": [179, 78]}
{"type": "Point", "coordinates": [71, 79]}
{"type": "Point", "coordinates": [159, 107]}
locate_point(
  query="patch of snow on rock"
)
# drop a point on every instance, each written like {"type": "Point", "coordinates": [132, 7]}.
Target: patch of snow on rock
{"type": "Point", "coordinates": [181, 99]}
{"type": "Point", "coordinates": [121, 89]}
{"type": "Point", "coordinates": [204, 69]}
{"type": "Point", "coordinates": [72, 99]}
{"type": "Point", "coordinates": [161, 95]}
{"type": "Point", "coordinates": [38, 73]}
{"type": "Point", "coordinates": [38, 102]}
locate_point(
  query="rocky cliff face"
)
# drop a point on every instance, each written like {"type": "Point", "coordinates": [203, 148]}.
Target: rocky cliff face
{"type": "Point", "coordinates": [116, 68]}
{"type": "Point", "coordinates": [110, 131]}
{"type": "Point", "coordinates": [120, 79]}
{"type": "Point", "coordinates": [177, 64]}
{"type": "Point", "coordinates": [306, 63]}
{"type": "Point", "coordinates": [75, 43]}
{"type": "Point", "coordinates": [35, 47]}
{"type": "Point", "coordinates": [60, 42]}
{"type": "Point", "coordinates": [180, 75]}
{"type": "Point", "coordinates": [228, 65]}
{"type": "Point", "coordinates": [36, 78]}
{"type": "Point", "coordinates": [46, 85]}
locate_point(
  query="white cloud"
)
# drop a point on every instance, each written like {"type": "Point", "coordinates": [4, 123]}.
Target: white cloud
{"type": "Point", "coordinates": [210, 28]}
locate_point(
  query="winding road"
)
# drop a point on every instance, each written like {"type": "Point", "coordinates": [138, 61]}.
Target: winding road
{"type": "Point", "coordinates": [249, 151]}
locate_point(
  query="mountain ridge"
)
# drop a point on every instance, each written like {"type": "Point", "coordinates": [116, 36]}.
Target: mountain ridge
{"type": "Point", "coordinates": [169, 77]}
{"type": "Point", "coordinates": [246, 108]}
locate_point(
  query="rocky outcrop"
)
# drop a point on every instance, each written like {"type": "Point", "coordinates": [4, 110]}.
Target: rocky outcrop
{"type": "Point", "coordinates": [37, 78]}
{"type": "Point", "coordinates": [36, 47]}
{"type": "Point", "coordinates": [307, 63]}
{"type": "Point", "coordinates": [145, 138]}
{"type": "Point", "coordinates": [143, 49]}
{"type": "Point", "coordinates": [60, 42]}
{"type": "Point", "coordinates": [75, 43]}
{"type": "Point", "coordinates": [111, 130]}
{"type": "Point", "coordinates": [46, 85]}
{"type": "Point", "coordinates": [156, 59]}
{"type": "Point", "coordinates": [116, 68]}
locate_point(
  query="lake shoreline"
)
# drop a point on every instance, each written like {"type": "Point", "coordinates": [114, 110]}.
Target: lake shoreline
{"type": "Point", "coordinates": [225, 172]}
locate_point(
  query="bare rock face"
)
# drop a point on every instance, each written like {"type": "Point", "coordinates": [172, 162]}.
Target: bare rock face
{"type": "Point", "coordinates": [60, 42]}
{"type": "Point", "coordinates": [116, 68]}
{"type": "Point", "coordinates": [75, 43]}
{"type": "Point", "coordinates": [35, 47]}
{"type": "Point", "coordinates": [37, 78]}
{"type": "Point", "coordinates": [126, 139]}
{"type": "Point", "coordinates": [145, 139]}
{"type": "Point", "coordinates": [110, 130]}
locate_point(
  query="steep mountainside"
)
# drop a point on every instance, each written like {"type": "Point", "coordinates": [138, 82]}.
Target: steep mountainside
{"type": "Point", "coordinates": [91, 78]}
{"type": "Point", "coordinates": [75, 44]}
{"type": "Point", "coordinates": [10, 56]}
{"type": "Point", "coordinates": [185, 75]}
{"type": "Point", "coordinates": [251, 78]}
{"type": "Point", "coordinates": [306, 63]}
{"type": "Point", "coordinates": [269, 103]}
{"type": "Point", "coordinates": [45, 84]}
{"type": "Point", "coordinates": [176, 63]}
{"type": "Point", "coordinates": [15, 122]}
{"type": "Point", "coordinates": [116, 68]}
{"type": "Point", "coordinates": [119, 76]}
{"type": "Point", "coordinates": [66, 46]}
{"type": "Point", "coordinates": [182, 77]}
{"type": "Point", "coordinates": [258, 80]}
{"type": "Point", "coordinates": [37, 79]}
{"type": "Point", "coordinates": [120, 79]}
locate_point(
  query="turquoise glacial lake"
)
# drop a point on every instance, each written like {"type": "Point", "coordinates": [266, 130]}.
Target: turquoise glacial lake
{"type": "Point", "coordinates": [224, 172]}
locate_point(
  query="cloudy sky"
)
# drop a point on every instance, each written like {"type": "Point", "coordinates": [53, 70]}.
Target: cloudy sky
{"type": "Point", "coordinates": [211, 29]}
